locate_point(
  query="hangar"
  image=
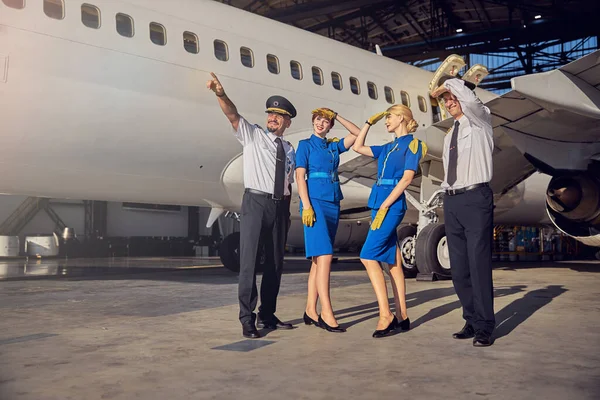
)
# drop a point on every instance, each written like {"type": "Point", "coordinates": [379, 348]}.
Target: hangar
{"type": "Point", "coordinates": [98, 76]}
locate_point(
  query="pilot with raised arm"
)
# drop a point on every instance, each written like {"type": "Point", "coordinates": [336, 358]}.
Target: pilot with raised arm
{"type": "Point", "coordinates": [269, 164]}
{"type": "Point", "coordinates": [468, 206]}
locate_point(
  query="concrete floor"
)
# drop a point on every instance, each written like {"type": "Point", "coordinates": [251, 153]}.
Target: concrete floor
{"type": "Point", "coordinates": [174, 334]}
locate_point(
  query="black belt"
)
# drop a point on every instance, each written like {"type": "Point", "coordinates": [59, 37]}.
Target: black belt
{"type": "Point", "coordinates": [453, 192]}
{"type": "Point", "coordinates": [264, 194]}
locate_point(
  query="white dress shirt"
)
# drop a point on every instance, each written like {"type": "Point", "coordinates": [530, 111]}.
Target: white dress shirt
{"type": "Point", "coordinates": [475, 139]}
{"type": "Point", "coordinates": [260, 151]}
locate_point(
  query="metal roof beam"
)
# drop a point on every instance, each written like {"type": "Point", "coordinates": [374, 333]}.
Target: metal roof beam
{"type": "Point", "coordinates": [315, 9]}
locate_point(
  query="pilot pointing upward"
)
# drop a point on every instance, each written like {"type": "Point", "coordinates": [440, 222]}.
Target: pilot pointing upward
{"type": "Point", "coordinates": [268, 173]}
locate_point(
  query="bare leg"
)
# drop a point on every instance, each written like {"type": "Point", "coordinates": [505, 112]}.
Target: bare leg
{"type": "Point", "coordinates": [323, 272]}
{"type": "Point", "coordinates": [399, 287]}
{"type": "Point", "coordinates": [378, 281]}
{"type": "Point", "coordinates": [311, 299]}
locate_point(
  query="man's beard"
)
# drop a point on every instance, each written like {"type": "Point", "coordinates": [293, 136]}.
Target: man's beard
{"type": "Point", "coordinates": [272, 130]}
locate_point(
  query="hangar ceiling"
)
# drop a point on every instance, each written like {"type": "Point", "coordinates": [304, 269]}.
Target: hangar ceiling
{"type": "Point", "coordinates": [531, 36]}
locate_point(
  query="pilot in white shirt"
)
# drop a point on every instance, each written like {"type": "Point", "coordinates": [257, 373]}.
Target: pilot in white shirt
{"type": "Point", "coordinates": [468, 206]}
{"type": "Point", "coordinates": [268, 173]}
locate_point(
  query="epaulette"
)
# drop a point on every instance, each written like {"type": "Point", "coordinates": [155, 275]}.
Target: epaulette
{"type": "Point", "coordinates": [414, 147]}
{"type": "Point", "coordinates": [334, 140]}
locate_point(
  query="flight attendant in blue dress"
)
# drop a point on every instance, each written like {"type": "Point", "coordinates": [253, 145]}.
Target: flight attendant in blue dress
{"type": "Point", "coordinates": [317, 161]}
{"type": "Point", "coordinates": [397, 164]}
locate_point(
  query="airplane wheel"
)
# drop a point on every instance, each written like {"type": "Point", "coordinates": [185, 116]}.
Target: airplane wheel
{"type": "Point", "coordinates": [432, 251]}
{"type": "Point", "coordinates": [407, 235]}
{"type": "Point", "coordinates": [229, 252]}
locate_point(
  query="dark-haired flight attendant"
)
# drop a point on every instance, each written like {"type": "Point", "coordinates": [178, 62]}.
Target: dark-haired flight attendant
{"type": "Point", "coordinates": [317, 161]}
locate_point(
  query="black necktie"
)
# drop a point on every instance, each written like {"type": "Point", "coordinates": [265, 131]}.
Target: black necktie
{"type": "Point", "coordinates": [453, 159]}
{"type": "Point", "coordinates": [279, 170]}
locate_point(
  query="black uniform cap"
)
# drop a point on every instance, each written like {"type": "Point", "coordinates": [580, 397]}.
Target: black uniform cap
{"type": "Point", "coordinates": [280, 105]}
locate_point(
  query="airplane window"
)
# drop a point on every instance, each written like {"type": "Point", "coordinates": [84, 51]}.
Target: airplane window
{"type": "Point", "coordinates": [317, 75]}
{"type": "Point", "coordinates": [336, 80]}
{"type": "Point", "coordinates": [247, 57]}
{"type": "Point", "coordinates": [422, 104]}
{"type": "Point", "coordinates": [272, 64]}
{"type": "Point", "coordinates": [436, 111]}
{"type": "Point", "coordinates": [18, 4]}
{"type": "Point", "coordinates": [221, 50]}
{"type": "Point", "coordinates": [405, 98]}
{"type": "Point", "coordinates": [354, 85]}
{"type": "Point", "coordinates": [190, 42]}
{"type": "Point", "coordinates": [372, 90]}
{"type": "Point", "coordinates": [296, 70]}
{"type": "Point", "coordinates": [389, 94]}
{"type": "Point", "coordinates": [54, 8]}
{"type": "Point", "coordinates": [90, 16]}
{"type": "Point", "coordinates": [124, 25]}
{"type": "Point", "coordinates": [158, 34]}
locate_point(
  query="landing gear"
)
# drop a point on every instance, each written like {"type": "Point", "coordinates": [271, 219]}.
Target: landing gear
{"type": "Point", "coordinates": [229, 252]}
{"type": "Point", "coordinates": [407, 236]}
{"type": "Point", "coordinates": [432, 255]}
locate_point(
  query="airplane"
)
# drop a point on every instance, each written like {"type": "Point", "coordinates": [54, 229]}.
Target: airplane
{"type": "Point", "coordinates": [107, 101]}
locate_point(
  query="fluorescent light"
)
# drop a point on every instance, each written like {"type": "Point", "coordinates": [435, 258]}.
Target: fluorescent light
{"type": "Point", "coordinates": [459, 30]}
{"type": "Point", "coordinates": [538, 17]}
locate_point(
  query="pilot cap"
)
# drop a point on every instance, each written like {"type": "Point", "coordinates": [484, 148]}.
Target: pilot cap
{"type": "Point", "coordinates": [444, 78]}
{"type": "Point", "coordinates": [280, 105]}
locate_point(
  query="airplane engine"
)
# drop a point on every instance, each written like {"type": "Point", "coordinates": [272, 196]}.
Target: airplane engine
{"type": "Point", "coordinates": [573, 204]}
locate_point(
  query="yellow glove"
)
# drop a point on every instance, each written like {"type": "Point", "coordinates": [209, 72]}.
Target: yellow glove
{"type": "Point", "coordinates": [378, 220]}
{"type": "Point", "coordinates": [373, 120]}
{"type": "Point", "coordinates": [326, 112]}
{"type": "Point", "coordinates": [308, 217]}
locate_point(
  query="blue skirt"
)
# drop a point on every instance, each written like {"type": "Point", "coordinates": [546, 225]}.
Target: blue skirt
{"type": "Point", "coordinates": [319, 238]}
{"type": "Point", "coordinates": [381, 243]}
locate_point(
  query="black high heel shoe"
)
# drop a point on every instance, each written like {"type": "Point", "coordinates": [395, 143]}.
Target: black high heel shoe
{"type": "Point", "coordinates": [328, 328]}
{"type": "Point", "coordinates": [309, 321]}
{"type": "Point", "coordinates": [385, 332]}
{"type": "Point", "coordinates": [404, 325]}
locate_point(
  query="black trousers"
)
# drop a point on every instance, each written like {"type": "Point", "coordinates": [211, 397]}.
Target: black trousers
{"type": "Point", "coordinates": [469, 222]}
{"type": "Point", "coordinates": [263, 220]}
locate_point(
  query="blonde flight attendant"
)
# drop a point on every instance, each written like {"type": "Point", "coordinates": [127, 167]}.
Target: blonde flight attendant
{"type": "Point", "coordinates": [397, 163]}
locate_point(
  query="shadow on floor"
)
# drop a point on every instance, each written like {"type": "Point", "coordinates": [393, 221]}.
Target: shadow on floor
{"type": "Point", "coordinates": [369, 311]}
{"type": "Point", "coordinates": [521, 309]}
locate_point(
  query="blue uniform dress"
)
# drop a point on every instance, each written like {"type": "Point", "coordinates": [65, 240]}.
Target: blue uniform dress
{"type": "Point", "coordinates": [393, 158]}
{"type": "Point", "coordinates": [321, 159]}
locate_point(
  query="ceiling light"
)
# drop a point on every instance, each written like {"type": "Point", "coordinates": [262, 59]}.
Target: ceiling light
{"type": "Point", "coordinates": [459, 30]}
{"type": "Point", "coordinates": [538, 17]}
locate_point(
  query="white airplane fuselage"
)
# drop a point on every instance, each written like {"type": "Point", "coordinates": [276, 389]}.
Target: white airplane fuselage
{"type": "Point", "coordinates": [89, 114]}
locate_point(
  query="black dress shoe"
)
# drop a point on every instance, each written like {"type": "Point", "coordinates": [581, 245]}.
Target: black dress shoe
{"type": "Point", "coordinates": [249, 331]}
{"type": "Point", "coordinates": [385, 332]}
{"type": "Point", "coordinates": [328, 328]}
{"type": "Point", "coordinates": [466, 332]}
{"type": "Point", "coordinates": [273, 323]}
{"type": "Point", "coordinates": [404, 325]}
{"type": "Point", "coordinates": [309, 321]}
{"type": "Point", "coordinates": [482, 339]}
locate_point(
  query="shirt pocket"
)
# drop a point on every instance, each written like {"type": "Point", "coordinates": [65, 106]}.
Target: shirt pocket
{"type": "Point", "coordinates": [464, 141]}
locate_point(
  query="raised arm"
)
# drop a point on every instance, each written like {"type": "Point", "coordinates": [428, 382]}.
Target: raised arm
{"type": "Point", "coordinates": [353, 129]}
{"type": "Point", "coordinates": [359, 144]}
{"type": "Point", "coordinates": [226, 104]}
{"type": "Point", "coordinates": [471, 105]}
